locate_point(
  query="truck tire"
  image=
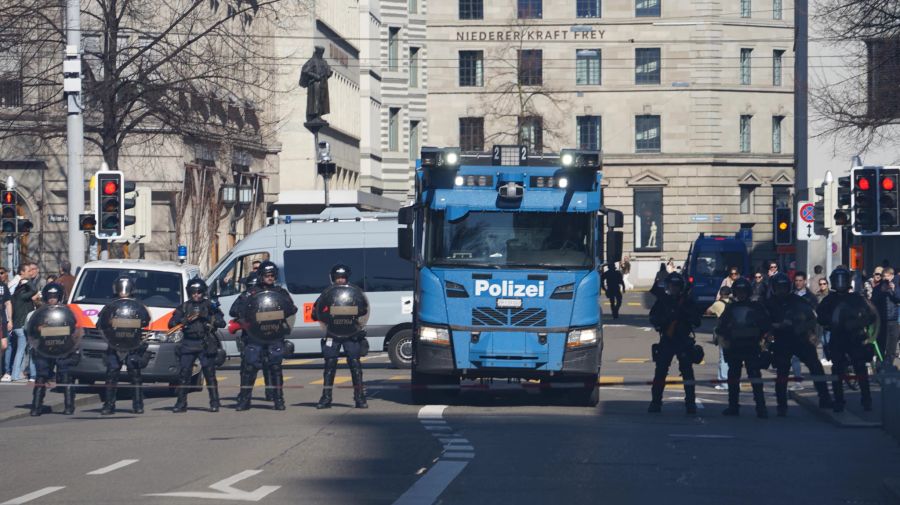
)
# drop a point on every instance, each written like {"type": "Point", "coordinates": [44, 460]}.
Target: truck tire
{"type": "Point", "coordinates": [588, 396]}
{"type": "Point", "coordinates": [400, 349]}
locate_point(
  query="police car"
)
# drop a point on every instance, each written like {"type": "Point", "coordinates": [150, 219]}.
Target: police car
{"type": "Point", "coordinates": [160, 285]}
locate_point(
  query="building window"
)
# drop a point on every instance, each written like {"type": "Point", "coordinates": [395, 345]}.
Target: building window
{"type": "Point", "coordinates": [648, 219]}
{"type": "Point", "coordinates": [11, 91]}
{"type": "Point", "coordinates": [587, 130]}
{"type": "Point", "coordinates": [393, 48]}
{"type": "Point", "coordinates": [776, 134]}
{"type": "Point", "coordinates": [745, 65]}
{"type": "Point", "coordinates": [745, 133]}
{"type": "Point", "coordinates": [531, 9]}
{"type": "Point", "coordinates": [413, 6]}
{"type": "Point", "coordinates": [587, 67]}
{"type": "Point", "coordinates": [647, 8]}
{"type": "Point", "coordinates": [777, 64]}
{"type": "Point", "coordinates": [531, 67]}
{"type": "Point", "coordinates": [471, 68]}
{"type": "Point", "coordinates": [747, 199]}
{"type": "Point", "coordinates": [413, 67]}
{"type": "Point", "coordinates": [413, 140]}
{"type": "Point", "coordinates": [745, 8]}
{"type": "Point", "coordinates": [471, 9]}
{"type": "Point", "coordinates": [647, 134]}
{"type": "Point", "coordinates": [471, 134]}
{"type": "Point", "coordinates": [777, 9]}
{"type": "Point", "coordinates": [646, 66]}
{"type": "Point", "coordinates": [394, 129]}
{"type": "Point", "coordinates": [531, 133]}
{"type": "Point", "coordinates": [587, 8]}
{"type": "Point", "coordinates": [883, 76]}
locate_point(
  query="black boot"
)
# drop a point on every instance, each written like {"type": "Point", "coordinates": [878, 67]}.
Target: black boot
{"type": "Point", "coordinates": [37, 397]}
{"type": "Point", "coordinates": [68, 395]}
{"type": "Point", "coordinates": [267, 378]}
{"type": "Point", "coordinates": [824, 398]}
{"type": "Point", "coordinates": [734, 395]}
{"type": "Point", "coordinates": [656, 392]}
{"type": "Point", "coordinates": [690, 396]}
{"type": "Point", "coordinates": [109, 403]}
{"type": "Point", "coordinates": [248, 377]}
{"type": "Point", "coordinates": [865, 390]}
{"type": "Point", "coordinates": [137, 398]}
{"type": "Point", "coordinates": [328, 383]}
{"type": "Point", "coordinates": [277, 379]}
{"type": "Point", "coordinates": [781, 385]}
{"type": "Point", "coordinates": [759, 397]}
{"type": "Point", "coordinates": [359, 389]}
{"type": "Point", "coordinates": [184, 379]}
{"type": "Point", "coordinates": [212, 384]}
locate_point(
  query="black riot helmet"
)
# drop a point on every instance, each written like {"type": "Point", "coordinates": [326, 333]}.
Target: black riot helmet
{"type": "Point", "coordinates": [196, 285]}
{"type": "Point", "coordinates": [781, 285]}
{"type": "Point", "coordinates": [123, 287]}
{"type": "Point", "coordinates": [340, 272]}
{"type": "Point", "coordinates": [52, 291]}
{"type": "Point", "coordinates": [840, 280]}
{"type": "Point", "coordinates": [265, 269]}
{"type": "Point", "coordinates": [674, 284]}
{"type": "Point", "coordinates": [741, 289]}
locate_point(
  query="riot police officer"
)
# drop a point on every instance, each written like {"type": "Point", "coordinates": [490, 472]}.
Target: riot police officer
{"type": "Point", "coordinates": [794, 330]}
{"type": "Point", "coordinates": [674, 316]}
{"type": "Point", "coordinates": [345, 332]}
{"type": "Point", "coordinates": [122, 322]}
{"type": "Point", "coordinates": [743, 328]}
{"type": "Point", "coordinates": [847, 315]}
{"type": "Point", "coordinates": [54, 338]}
{"type": "Point", "coordinates": [267, 314]}
{"type": "Point", "coordinates": [200, 319]}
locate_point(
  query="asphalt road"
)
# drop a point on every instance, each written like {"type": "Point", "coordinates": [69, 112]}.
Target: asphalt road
{"type": "Point", "coordinates": [506, 445]}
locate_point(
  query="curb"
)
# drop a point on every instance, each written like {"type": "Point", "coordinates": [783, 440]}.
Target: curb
{"type": "Point", "coordinates": [55, 408]}
{"type": "Point", "coordinates": [845, 419]}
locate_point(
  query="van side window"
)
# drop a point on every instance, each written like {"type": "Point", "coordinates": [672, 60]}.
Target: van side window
{"type": "Point", "coordinates": [233, 280]}
{"type": "Point", "coordinates": [306, 271]}
{"type": "Point", "coordinates": [386, 271]}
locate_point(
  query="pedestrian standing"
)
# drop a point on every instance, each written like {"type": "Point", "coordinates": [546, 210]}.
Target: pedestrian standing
{"type": "Point", "coordinates": [758, 288]}
{"type": "Point", "coordinates": [22, 304]}
{"type": "Point", "coordinates": [872, 283]}
{"type": "Point", "coordinates": [626, 273]}
{"type": "Point", "coordinates": [733, 274]}
{"type": "Point", "coordinates": [5, 322]}
{"type": "Point", "coordinates": [717, 309]}
{"type": "Point", "coordinates": [614, 286]}
{"type": "Point", "coordinates": [66, 279]}
{"type": "Point", "coordinates": [886, 297]}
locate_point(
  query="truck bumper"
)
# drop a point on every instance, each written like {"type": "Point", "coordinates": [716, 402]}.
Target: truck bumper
{"type": "Point", "coordinates": [438, 360]}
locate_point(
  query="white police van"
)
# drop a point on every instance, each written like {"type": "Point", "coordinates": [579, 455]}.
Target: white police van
{"type": "Point", "coordinates": [305, 248]}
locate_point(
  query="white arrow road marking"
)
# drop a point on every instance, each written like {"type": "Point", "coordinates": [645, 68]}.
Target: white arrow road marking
{"type": "Point", "coordinates": [113, 467]}
{"type": "Point", "coordinates": [224, 491]}
{"type": "Point", "coordinates": [33, 496]}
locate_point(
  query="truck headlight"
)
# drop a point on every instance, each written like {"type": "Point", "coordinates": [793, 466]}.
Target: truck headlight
{"type": "Point", "coordinates": [434, 335]}
{"type": "Point", "coordinates": [582, 336]}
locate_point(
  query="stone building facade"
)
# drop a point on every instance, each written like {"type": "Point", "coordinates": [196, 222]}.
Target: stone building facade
{"type": "Point", "coordinates": [690, 102]}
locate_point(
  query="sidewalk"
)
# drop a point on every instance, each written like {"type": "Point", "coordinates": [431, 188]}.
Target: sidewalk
{"type": "Point", "coordinates": [15, 400]}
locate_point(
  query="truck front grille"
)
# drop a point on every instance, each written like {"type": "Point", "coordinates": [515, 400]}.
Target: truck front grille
{"type": "Point", "coordinates": [489, 316]}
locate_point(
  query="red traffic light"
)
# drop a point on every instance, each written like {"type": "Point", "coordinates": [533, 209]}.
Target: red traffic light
{"type": "Point", "coordinates": [887, 183]}
{"type": "Point", "coordinates": [863, 183]}
{"type": "Point", "coordinates": [110, 187]}
{"type": "Point", "coordinates": [8, 198]}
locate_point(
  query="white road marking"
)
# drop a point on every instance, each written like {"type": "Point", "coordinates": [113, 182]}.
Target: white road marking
{"type": "Point", "coordinates": [225, 491]}
{"type": "Point", "coordinates": [113, 467]}
{"type": "Point", "coordinates": [33, 496]}
{"type": "Point", "coordinates": [677, 435]}
{"type": "Point", "coordinates": [435, 412]}
{"type": "Point", "coordinates": [427, 489]}
{"type": "Point", "coordinates": [459, 455]}
{"type": "Point", "coordinates": [454, 447]}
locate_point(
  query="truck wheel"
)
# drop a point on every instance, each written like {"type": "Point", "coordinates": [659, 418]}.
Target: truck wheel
{"type": "Point", "coordinates": [589, 395]}
{"type": "Point", "coordinates": [400, 349]}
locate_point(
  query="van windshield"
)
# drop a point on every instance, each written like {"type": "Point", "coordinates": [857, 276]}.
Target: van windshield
{"type": "Point", "coordinates": [717, 263]}
{"type": "Point", "coordinates": [152, 288]}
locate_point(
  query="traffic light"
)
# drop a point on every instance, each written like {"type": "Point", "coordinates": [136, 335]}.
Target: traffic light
{"type": "Point", "coordinates": [824, 209]}
{"type": "Point", "coordinates": [128, 202]}
{"type": "Point", "coordinates": [841, 215]}
{"type": "Point", "coordinates": [864, 200]}
{"type": "Point", "coordinates": [23, 225]}
{"type": "Point", "coordinates": [784, 232]}
{"type": "Point", "coordinates": [9, 211]}
{"type": "Point", "coordinates": [889, 200]}
{"type": "Point", "coordinates": [87, 222]}
{"type": "Point", "coordinates": [110, 205]}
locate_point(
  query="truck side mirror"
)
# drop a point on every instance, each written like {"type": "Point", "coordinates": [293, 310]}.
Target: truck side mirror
{"type": "Point", "coordinates": [406, 215]}
{"type": "Point", "coordinates": [405, 247]}
{"type": "Point", "coordinates": [614, 219]}
{"type": "Point", "coordinates": [614, 241]}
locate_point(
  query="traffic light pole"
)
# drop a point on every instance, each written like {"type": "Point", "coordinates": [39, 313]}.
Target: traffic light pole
{"type": "Point", "coordinates": [74, 140]}
{"type": "Point", "coordinates": [801, 116]}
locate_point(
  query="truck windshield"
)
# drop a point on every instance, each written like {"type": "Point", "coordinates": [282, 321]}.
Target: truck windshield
{"type": "Point", "coordinates": [717, 263]}
{"type": "Point", "coordinates": [491, 239]}
{"type": "Point", "coordinates": [154, 289]}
